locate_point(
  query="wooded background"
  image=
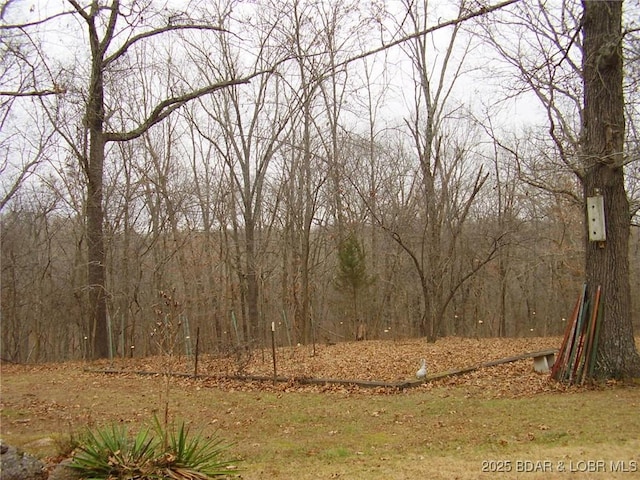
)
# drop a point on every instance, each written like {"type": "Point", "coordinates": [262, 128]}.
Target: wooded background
{"type": "Point", "coordinates": [337, 195]}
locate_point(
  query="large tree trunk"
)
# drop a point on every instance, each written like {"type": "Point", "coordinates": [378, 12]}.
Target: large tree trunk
{"type": "Point", "coordinates": [94, 168]}
{"type": "Point", "coordinates": [607, 263]}
{"type": "Point", "coordinates": [96, 253]}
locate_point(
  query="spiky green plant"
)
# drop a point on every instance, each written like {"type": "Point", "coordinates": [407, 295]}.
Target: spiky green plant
{"type": "Point", "coordinates": [191, 456]}
{"type": "Point", "coordinates": [110, 453]}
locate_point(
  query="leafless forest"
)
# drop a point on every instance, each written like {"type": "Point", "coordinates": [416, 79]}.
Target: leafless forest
{"type": "Point", "coordinates": [293, 165]}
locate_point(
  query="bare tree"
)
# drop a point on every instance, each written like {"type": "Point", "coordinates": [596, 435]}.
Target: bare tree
{"type": "Point", "coordinates": [267, 177]}
{"type": "Point", "coordinates": [440, 158]}
{"type": "Point", "coordinates": [603, 158]}
{"type": "Point", "coordinates": [578, 79]}
{"type": "Point", "coordinates": [321, 36]}
{"type": "Point", "coordinates": [111, 31]}
{"type": "Point", "coordinates": [25, 138]}
{"type": "Point", "coordinates": [302, 168]}
{"type": "Point", "coordinates": [249, 125]}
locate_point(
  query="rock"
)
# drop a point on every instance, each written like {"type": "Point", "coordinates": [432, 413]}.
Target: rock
{"type": "Point", "coordinates": [17, 465]}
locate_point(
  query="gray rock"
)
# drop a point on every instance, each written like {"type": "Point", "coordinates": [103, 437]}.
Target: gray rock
{"type": "Point", "coordinates": [17, 465]}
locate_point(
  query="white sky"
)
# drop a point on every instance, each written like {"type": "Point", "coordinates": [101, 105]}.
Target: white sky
{"type": "Point", "coordinates": [63, 38]}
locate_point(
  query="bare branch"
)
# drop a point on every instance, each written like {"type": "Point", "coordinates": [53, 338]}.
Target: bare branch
{"type": "Point", "coordinates": [158, 31]}
{"type": "Point", "coordinates": [630, 30]}
{"type": "Point", "coordinates": [111, 26]}
{"type": "Point", "coordinates": [34, 93]}
{"type": "Point", "coordinates": [25, 172]}
{"type": "Point", "coordinates": [80, 10]}
{"type": "Point", "coordinates": [3, 10]}
{"type": "Point", "coordinates": [476, 13]}
{"type": "Point", "coordinates": [168, 106]}
{"type": "Point", "coordinates": [12, 26]}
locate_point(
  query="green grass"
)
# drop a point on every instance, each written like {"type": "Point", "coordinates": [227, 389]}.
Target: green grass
{"type": "Point", "coordinates": [441, 433]}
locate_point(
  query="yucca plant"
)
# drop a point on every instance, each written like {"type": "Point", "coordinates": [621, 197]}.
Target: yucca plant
{"type": "Point", "coordinates": [109, 452]}
{"type": "Point", "coordinates": [191, 457]}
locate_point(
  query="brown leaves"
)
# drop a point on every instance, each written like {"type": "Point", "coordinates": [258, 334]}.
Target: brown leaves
{"type": "Point", "coordinates": [375, 361]}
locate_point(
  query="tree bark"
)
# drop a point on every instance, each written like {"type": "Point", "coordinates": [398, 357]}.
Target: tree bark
{"type": "Point", "coordinates": [94, 169]}
{"type": "Point", "coordinates": [607, 263]}
{"type": "Point", "coordinates": [96, 252]}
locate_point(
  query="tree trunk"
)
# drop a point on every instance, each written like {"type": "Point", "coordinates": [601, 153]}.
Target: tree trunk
{"type": "Point", "coordinates": [251, 277]}
{"type": "Point", "coordinates": [96, 253]}
{"type": "Point", "coordinates": [94, 169]}
{"type": "Point", "coordinates": [607, 263]}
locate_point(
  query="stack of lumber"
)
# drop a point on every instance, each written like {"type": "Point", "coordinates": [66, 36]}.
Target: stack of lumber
{"type": "Point", "coordinates": [577, 356]}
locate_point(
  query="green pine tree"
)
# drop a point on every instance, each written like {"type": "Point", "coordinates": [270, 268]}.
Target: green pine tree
{"type": "Point", "coordinates": [352, 275]}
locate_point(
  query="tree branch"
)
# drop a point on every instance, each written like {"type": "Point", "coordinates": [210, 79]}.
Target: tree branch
{"type": "Point", "coordinates": [166, 107]}
{"type": "Point", "coordinates": [80, 10]}
{"type": "Point", "coordinates": [136, 38]}
{"type": "Point", "coordinates": [477, 13]}
{"type": "Point", "coordinates": [12, 26]}
{"type": "Point", "coordinates": [34, 93]}
{"type": "Point", "coordinates": [25, 172]}
{"type": "Point", "coordinates": [111, 26]}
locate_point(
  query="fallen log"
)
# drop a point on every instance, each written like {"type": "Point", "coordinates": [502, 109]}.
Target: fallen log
{"type": "Point", "coordinates": [335, 381]}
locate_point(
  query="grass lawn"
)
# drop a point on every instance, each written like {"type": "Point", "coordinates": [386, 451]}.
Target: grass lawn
{"type": "Point", "coordinates": [443, 432]}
